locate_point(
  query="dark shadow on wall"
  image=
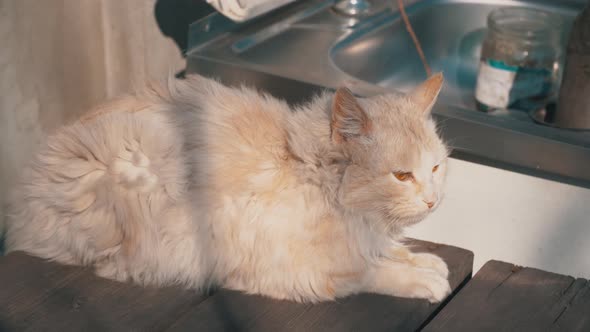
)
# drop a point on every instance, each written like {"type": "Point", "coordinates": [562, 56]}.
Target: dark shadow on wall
{"type": "Point", "coordinates": [175, 16]}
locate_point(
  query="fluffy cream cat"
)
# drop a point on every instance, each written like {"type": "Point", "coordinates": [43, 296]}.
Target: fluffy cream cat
{"type": "Point", "coordinates": [204, 185]}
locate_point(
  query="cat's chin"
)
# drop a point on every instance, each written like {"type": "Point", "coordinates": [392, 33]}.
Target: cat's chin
{"type": "Point", "coordinates": [412, 220]}
{"type": "Point", "coordinates": [398, 224]}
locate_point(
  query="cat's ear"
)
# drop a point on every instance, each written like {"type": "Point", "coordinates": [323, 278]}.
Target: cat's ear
{"type": "Point", "coordinates": [349, 120]}
{"type": "Point", "coordinates": [424, 96]}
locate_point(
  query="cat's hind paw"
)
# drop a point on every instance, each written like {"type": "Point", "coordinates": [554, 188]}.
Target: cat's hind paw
{"type": "Point", "coordinates": [132, 170]}
{"type": "Point", "coordinates": [110, 270]}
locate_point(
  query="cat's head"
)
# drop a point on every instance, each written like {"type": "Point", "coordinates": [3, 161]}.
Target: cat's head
{"type": "Point", "coordinates": [398, 161]}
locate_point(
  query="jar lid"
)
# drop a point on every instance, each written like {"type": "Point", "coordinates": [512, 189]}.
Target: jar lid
{"type": "Point", "coordinates": [526, 23]}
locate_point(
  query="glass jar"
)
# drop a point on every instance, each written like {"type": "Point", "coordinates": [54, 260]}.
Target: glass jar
{"type": "Point", "coordinates": [521, 58]}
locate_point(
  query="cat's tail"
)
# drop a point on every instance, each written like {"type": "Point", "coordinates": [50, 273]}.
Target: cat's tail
{"type": "Point", "coordinates": [97, 190]}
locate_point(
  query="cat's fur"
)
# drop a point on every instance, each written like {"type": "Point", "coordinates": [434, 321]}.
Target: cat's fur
{"type": "Point", "coordinates": [201, 185]}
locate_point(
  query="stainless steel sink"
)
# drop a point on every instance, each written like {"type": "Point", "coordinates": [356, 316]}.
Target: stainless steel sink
{"type": "Point", "coordinates": [451, 34]}
{"type": "Point", "coordinates": [303, 48]}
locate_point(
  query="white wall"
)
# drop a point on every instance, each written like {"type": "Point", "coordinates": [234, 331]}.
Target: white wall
{"type": "Point", "coordinates": [517, 218]}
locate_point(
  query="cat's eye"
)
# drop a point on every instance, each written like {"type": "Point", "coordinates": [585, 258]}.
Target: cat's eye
{"type": "Point", "coordinates": [403, 176]}
{"type": "Point", "coordinates": [435, 168]}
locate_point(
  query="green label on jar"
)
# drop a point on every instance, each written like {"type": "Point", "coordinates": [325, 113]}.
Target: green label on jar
{"type": "Point", "coordinates": [500, 85]}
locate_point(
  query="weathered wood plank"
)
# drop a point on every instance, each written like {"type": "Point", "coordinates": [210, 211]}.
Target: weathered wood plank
{"type": "Point", "coordinates": [228, 310]}
{"type": "Point", "coordinates": [505, 297]}
{"type": "Point", "coordinates": [38, 295]}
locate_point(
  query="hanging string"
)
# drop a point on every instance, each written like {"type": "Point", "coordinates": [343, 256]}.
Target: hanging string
{"type": "Point", "coordinates": [402, 10]}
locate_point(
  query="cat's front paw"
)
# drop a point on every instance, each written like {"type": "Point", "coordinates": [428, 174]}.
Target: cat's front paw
{"type": "Point", "coordinates": [431, 262]}
{"type": "Point", "coordinates": [431, 286]}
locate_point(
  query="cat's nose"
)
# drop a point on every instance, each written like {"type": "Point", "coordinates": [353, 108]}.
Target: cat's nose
{"type": "Point", "coordinates": [430, 204]}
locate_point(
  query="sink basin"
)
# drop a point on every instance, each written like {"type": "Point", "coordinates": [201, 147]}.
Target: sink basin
{"type": "Point", "coordinates": [451, 33]}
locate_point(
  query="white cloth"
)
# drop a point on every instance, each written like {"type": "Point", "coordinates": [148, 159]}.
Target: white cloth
{"type": "Point", "coordinates": [242, 10]}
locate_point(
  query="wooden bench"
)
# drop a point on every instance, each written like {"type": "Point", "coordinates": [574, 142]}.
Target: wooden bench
{"type": "Point", "coordinates": [505, 297]}
{"type": "Point", "coordinates": [37, 295]}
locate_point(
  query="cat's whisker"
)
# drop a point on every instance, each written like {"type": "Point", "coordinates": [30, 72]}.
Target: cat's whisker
{"type": "Point", "coordinates": [442, 122]}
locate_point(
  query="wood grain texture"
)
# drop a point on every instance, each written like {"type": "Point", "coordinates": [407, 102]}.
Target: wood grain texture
{"type": "Point", "coordinates": [229, 310]}
{"type": "Point", "coordinates": [505, 297]}
{"type": "Point", "coordinates": [37, 295]}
